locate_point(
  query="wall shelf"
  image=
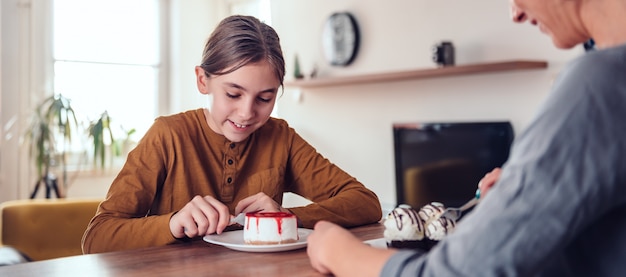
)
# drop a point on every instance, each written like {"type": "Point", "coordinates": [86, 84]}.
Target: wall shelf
{"type": "Point", "coordinates": [419, 74]}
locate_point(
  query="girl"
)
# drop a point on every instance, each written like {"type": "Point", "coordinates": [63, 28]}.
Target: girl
{"type": "Point", "coordinates": [193, 171]}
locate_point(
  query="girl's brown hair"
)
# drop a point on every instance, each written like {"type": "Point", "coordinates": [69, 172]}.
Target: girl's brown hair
{"type": "Point", "coordinates": [239, 40]}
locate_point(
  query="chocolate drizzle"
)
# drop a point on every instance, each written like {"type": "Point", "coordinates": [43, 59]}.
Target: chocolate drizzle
{"type": "Point", "coordinates": [436, 227]}
{"type": "Point", "coordinates": [399, 213]}
{"type": "Point", "coordinates": [426, 221]}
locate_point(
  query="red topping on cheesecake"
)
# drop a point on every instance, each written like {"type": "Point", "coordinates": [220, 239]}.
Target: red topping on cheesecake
{"type": "Point", "coordinates": [278, 216]}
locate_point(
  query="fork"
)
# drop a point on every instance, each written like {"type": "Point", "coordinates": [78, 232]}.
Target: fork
{"type": "Point", "coordinates": [239, 219]}
{"type": "Point", "coordinates": [455, 213]}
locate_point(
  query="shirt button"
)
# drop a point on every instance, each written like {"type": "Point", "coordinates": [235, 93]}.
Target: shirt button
{"type": "Point", "coordinates": [230, 161]}
{"type": "Point", "coordinates": [229, 180]}
{"type": "Point", "coordinates": [232, 145]}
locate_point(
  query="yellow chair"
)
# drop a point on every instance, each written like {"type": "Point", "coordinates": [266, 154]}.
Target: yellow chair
{"type": "Point", "coordinates": [46, 228]}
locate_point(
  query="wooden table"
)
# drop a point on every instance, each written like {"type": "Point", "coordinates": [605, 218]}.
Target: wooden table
{"type": "Point", "coordinates": [197, 258]}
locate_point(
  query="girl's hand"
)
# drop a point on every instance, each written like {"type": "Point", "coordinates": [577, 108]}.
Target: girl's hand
{"type": "Point", "coordinates": [258, 202]}
{"type": "Point", "coordinates": [201, 216]}
{"type": "Point", "coordinates": [488, 181]}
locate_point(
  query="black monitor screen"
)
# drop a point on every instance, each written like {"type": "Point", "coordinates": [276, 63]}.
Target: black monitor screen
{"type": "Point", "coordinates": [443, 162]}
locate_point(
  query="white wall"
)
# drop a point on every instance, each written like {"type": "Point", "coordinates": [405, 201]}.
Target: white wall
{"type": "Point", "coordinates": [192, 21]}
{"type": "Point", "coordinates": [351, 125]}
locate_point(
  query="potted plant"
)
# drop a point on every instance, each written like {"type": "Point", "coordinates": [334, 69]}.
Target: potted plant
{"type": "Point", "coordinates": [104, 143]}
{"type": "Point", "coordinates": [50, 134]}
{"type": "Point", "coordinates": [100, 131]}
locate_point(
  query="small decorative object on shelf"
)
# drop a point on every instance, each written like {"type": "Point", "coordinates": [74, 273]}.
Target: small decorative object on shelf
{"type": "Point", "coordinates": [313, 72]}
{"type": "Point", "coordinates": [443, 53]}
{"type": "Point", "coordinates": [297, 73]}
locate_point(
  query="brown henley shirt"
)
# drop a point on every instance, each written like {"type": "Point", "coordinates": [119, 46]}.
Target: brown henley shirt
{"type": "Point", "coordinates": [181, 157]}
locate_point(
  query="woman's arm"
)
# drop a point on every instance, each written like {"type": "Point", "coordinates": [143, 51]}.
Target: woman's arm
{"type": "Point", "coordinates": [333, 249]}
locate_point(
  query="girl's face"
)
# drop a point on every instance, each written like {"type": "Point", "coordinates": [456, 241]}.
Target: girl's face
{"type": "Point", "coordinates": [559, 19]}
{"type": "Point", "coordinates": [242, 100]}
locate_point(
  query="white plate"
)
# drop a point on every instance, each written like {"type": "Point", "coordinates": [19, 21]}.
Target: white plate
{"type": "Point", "coordinates": [234, 240]}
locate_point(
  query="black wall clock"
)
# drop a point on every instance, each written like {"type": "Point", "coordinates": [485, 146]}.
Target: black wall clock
{"type": "Point", "coordinates": [340, 38]}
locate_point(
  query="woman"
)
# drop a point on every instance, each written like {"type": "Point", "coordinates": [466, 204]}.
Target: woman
{"type": "Point", "coordinates": [559, 204]}
{"type": "Point", "coordinates": [193, 171]}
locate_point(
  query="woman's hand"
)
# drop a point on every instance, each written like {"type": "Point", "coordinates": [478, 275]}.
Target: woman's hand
{"type": "Point", "coordinates": [488, 181]}
{"type": "Point", "coordinates": [258, 202]}
{"type": "Point", "coordinates": [333, 249]}
{"type": "Point", "coordinates": [321, 244]}
{"type": "Point", "coordinates": [201, 216]}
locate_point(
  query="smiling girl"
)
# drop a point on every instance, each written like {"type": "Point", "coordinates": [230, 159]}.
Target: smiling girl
{"type": "Point", "coordinates": [193, 171]}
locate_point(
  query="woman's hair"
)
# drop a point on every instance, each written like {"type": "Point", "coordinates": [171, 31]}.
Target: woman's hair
{"type": "Point", "coordinates": [240, 40]}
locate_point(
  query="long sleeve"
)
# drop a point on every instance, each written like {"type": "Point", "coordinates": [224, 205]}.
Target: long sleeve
{"type": "Point", "coordinates": [559, 208]}
{"type": "Point", "coordinates": [181, 157]}
{"type": "Point", "coordinates": [126, 218]}
{"type": "Point", "coordinates": [336, 196]}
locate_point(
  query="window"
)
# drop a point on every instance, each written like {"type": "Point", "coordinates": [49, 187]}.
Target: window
{"type": "Point", "coordinates": [72, 47]}
{"type": "Point", "coordinates": [106, 57]}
